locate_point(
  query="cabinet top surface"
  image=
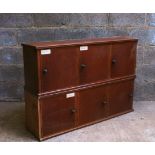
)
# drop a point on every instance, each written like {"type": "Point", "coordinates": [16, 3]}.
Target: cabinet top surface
{"type": "Point", "coordinates": [41, 45]}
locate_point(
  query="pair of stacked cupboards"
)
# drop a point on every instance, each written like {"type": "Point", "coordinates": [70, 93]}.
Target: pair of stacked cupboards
{"type": "Point", "coordinates": [72, 84]}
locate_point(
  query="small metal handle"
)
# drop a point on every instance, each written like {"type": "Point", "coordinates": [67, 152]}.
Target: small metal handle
{"type": "Point", "coordinates": [114, 61]}
{"type": "Point", "coordinates": [45, 71]}
{"type": "Point", "coordinates": [73, 110]}
{"type": "Point", "coordinates": [131, 95]}
{"type": "Point", "coordinates": [83, 66]}
{"type": "Point", "coordinates": [104, 103]}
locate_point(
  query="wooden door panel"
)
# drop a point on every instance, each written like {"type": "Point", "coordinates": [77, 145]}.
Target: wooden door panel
{"type": "Point", "coordinates": [123, 59]}
{"type": "Point", "coordinates": [57, 114]}
{"type": "Point", "coordinates": [59, 69]}
{"type": "Point", "coordinates": [92, 104]}
{"type": "Point", "coordinates": [94, 63]}
{"type": "Point", "coordinates": [120, 97]}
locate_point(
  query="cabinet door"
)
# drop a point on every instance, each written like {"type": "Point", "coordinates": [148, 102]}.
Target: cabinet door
{"type": "Point", "coordinates": [57, 113]}
{"type": "Point", "coordinates": [93, 104]}
{"type": "Point", "coordinates": [59, 69]}
{"type": "Point", "coordinates": [120, 97]}
{"type": "Point", "coordinates": [94, 63]}
{"type": "Point", "coordinates": [123, 59]}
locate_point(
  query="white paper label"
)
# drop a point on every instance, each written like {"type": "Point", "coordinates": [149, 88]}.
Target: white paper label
{"type": "Point", "coordinates": [44, 52]}
{"type": "Point", "coordinates": [70, 95]}
{"type": "Point", "coordinates": [83, 48]}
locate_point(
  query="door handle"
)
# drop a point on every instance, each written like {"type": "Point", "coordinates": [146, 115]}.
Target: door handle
{"type": "Point", "coordinates": [45, 70]}
{"type": "Point", "coordinates": [83, 66]}
{"type": "Point", "coordinates": [73, 111]}
{"type": "Point", "coordinates": [114, 61]}
{"type": "Point", "coordinates": [131, 95]}
{"type": "Point", "coordinates": [104, 103]}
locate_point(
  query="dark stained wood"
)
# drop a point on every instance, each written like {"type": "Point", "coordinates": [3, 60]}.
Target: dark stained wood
{"type": "Point", "coordinates": [62, 69]}
{"type": "Point", "coordinates": [32, 114]}
{"type": "Point", "coordinates": [88, 85]}
{"type": "Point", "coordinates": [31, 69]}
{"type": "Point", "coordinates": [101, 77]}
{"type": "Point", "coordinates": [84, 125]}
{"type": "Point", "coordinates": [94, 64]}
{"type": "Point", "coordinates": [97, 68]}
{"type": "Point", "coordinates": [93, 104]}
{"type": "Point", "coordinates": [109, 40]}
{"type": "Point", "coordinates": [123, 59]}
{"type": "Point", "coordinates": [120, 97]}
{"type": "Point", "coordinates": [57, 114]}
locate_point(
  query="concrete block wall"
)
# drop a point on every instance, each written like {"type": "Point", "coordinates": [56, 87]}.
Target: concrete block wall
{"type": "Point", "coordinates": [18, 28]}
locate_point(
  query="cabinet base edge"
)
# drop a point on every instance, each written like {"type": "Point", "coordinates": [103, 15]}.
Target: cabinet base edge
{"type": "Point", "coordinates": [85, 125]}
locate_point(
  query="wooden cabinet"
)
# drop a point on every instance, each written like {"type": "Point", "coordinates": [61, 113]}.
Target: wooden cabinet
{"type": "Point", "coordinates": [57, 113]}
{"type": "Point", "coordinates": [94, 64]}
{"type": "Point", "coordinates": [71, 84]}
{"type": "Point", "coordinates": [59, 70]}
{"type": "Point", "coordinates": [120, 97]}
{"type": "Point", "coordinates": [93, 104]}
{"type": "Point", "coordinates": [123, 59]}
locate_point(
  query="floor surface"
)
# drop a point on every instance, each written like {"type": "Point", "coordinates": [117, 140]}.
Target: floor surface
{"type": "Point", "coordinates": [135, 126]}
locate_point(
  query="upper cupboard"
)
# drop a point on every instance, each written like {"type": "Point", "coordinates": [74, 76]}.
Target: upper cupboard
{"type": "Point", "coordinates": [79, 65]}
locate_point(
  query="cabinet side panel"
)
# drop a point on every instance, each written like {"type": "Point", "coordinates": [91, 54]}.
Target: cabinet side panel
{"type": "Point", "coordinates": [32, 114]}
{"type": "Point", "coordinates": [31, 69]}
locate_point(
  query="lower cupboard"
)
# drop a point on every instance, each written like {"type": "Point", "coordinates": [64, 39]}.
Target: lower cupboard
{"type": "Point", "coordinates": [66, 111]}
